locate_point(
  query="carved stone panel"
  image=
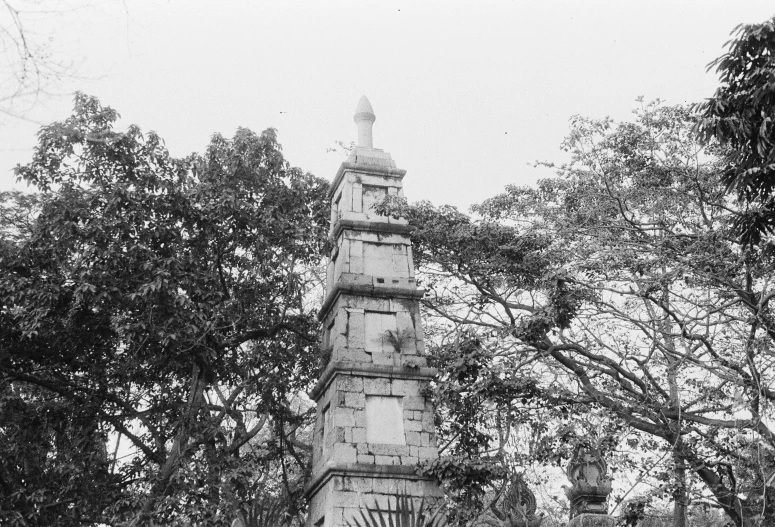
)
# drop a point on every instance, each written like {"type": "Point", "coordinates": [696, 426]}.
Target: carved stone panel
{"type": "Point", "coordinates": [377, 328]}
{"type": "Point", "coordinates": [384, 420]}
{"type": "Point", "coordinates": [371, 195]}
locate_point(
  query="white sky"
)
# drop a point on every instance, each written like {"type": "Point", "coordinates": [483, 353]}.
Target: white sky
{"type": "Point", "coordinates": [466, 93]}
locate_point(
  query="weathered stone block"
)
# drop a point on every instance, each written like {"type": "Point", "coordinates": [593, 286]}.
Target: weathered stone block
{"type": "Point", "coordinates": [428, 453]}
{"type": "Point", "coordinates": [348, 499]}
{"type": "Point", "coordinates": [362, 484]}
{"type": "Point", "coordinates": [414, 403]}
{"type": "Point", "coordinates": [356, 329]}
{"type": "Point", "coordinates": [370, 303]}
{"type": "Point", "coordinates": [360, 419]}
{"type": "Point", "coordinates": [344, 417]}
{"type": "Point", "coordinates": [414, 439]}
{"type": "Point", "coordinates": [387, 460]}
{"type": "Point", "coordinates": [344, 453]}
{"type": "Point", "coordinates": [413, 426]}
{"type": "Point", "coordinates": [409, 460]}
{"type": "Point", "coordinates": [415, 488]}
{"type": "Point", "coordinates": [355, 400]}
{"type": "Point", "coordinates": [389, 486]}
{"type": "Point", "coordinates": [359, 435]}
{"type": "Point", "coordinates": [350, 384]}
{"type": "Point", "coordinates": [356, 264]}
{"type": "Point", "coordinates": [343, 483]}
{"type": "Point", "coordinates": [330, 438]}
{"type": "Point", "coordinates": [366, 459]}
{"type": "Point", "coordinates": [383, 501]}
{"type": "Point", "coordinates": [339, 435]}
{"type": "Point", "coordinates": [411, 389]}
{"type": "Point", "coordinates": [338, 341]}
{"type": "Point", "coordinates": [398, 387]}
{"type": "Point", "coordinates": [356, 204]}
{"type": "Point", "coordinates": [383, 358]}
{"type": "Point", "coordinates": [351, 355]}
{"type": "Point", "coordinates": [376, 386]}
{"type": "Point", "coordinates": [389, 450]}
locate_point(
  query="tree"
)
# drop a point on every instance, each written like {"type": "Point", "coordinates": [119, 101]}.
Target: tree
{"type": "Point", "coordinates": [617, 287]}
{"type": "Point", "coordinates": [30, 65]}
{"type": "Point", "coordinates": [740, 116]}
{"type": "Point", "coordinates": [156, 324]}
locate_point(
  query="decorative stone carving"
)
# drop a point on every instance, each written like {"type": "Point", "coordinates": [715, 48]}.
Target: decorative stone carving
{"type": "Point", "coordinates": [590, 484]}
{"type": "Point", "coordinates": [518, 505]}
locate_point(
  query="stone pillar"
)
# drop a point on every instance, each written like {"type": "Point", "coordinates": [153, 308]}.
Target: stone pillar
{"type": "Point", "coordinates": [588, 494]}
{"type": "Point", "coordinates": [374, 423]}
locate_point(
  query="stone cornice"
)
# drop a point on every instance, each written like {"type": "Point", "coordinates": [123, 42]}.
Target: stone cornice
{"type": "Point", "coordinates": [367, 289]}
{"type": "Point", "coordinates": [363, 168]}
{"type": "Point", "coordinates": [361, 470]}
{"type": "Point", "coordinates": [369, 370]}
{"type": "Point", "coordinates": [370, 226]}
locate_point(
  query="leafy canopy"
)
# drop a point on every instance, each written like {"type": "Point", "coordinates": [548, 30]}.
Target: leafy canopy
{"type": "Point", "coordinates": [156, 323]}
{"type": "Point", "coordinates": [741, 117]}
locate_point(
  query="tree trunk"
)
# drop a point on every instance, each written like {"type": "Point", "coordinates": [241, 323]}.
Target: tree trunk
{"type": "Point", "coordinates": [680, 493]}
{"type": "Point", "coordinates": [679, 468]}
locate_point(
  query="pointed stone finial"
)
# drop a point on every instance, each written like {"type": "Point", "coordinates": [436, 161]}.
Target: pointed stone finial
{"type": "Point", "coordinates": [364, 118]}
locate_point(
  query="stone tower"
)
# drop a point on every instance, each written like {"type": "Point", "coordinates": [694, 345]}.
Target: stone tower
{"type": "Point", "coordinates": [374, 424]}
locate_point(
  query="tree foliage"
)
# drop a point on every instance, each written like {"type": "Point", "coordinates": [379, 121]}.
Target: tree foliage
{"type": "Point", "coordinates": [741, 116]}
{"type": "Point", "coordinates": [618, 286]}
{"type": "Point", "coordinates": [156, 323]}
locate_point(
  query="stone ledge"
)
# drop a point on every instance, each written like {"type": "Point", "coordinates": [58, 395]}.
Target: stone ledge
{"type": "Point", "coordinates": [368, 288]}
{"type": "Point", "coordinates": [361, 470]}
{"type": "Point", "coordinates": [370, 226]}
{"type": "Point", "coordinates": [363, 168]}
{"type": "Point", "coordinates": [369, 370]}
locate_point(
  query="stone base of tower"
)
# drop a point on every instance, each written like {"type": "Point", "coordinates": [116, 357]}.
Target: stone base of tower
{"type": "Point", "coordinates": [345, 491]}
{"type": "Point", "coordinates": [356, 468]}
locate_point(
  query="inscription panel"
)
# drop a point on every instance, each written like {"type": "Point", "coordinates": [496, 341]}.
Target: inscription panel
{"type": "Point", "coordinates": [377, 324]}
{"type": "Point", "coordinates": [384, 420]}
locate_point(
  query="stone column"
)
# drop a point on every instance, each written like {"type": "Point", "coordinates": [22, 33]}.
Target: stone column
{"type": "Point", "coordinates": [374, 423]}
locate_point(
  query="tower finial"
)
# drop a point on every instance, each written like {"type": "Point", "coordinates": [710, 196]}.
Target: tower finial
{"type": "Point", "coordinates": [364, 118]}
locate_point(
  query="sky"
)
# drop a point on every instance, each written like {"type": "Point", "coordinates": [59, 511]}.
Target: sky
{"type": "Point", "coordinates": [467, 94]}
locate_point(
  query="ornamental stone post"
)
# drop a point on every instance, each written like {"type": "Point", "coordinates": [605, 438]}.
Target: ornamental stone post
{"type": "Point", "coordinates": [589, 490]}
{"type": "Point", "coordinates": [518, 505]}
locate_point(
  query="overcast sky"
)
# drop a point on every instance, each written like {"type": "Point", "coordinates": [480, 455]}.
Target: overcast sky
{"type": "Point", "coordinates": [466, 94]}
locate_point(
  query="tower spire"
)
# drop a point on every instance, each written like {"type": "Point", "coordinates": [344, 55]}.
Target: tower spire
{"type": "Point", "coordinates": [364, 118]}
